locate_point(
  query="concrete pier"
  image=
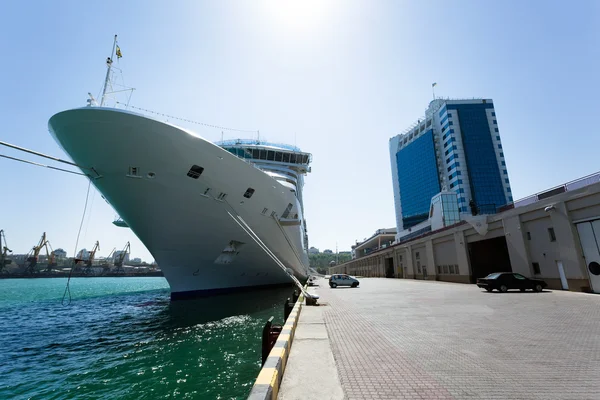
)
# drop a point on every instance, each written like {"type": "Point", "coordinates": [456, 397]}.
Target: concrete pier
{"type": "Point", "coordinates": [407, 339]}
{"type": "Point", "coordinates": [311, 372]}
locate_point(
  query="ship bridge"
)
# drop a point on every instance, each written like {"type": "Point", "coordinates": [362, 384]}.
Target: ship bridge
{"type": "Point", "coordinates": [265, 153]}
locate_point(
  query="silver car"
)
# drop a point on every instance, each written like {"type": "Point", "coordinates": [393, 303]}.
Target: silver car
{"type": "Point", "coordinates": [343, 280]}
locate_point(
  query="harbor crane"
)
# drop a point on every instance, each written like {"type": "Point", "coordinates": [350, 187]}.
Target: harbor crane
{"type": "Point", "coordinates": [51, 257]}
{"type": "Point", "coordinates": [120, 259]}
{"type": "Point", "coordinates": [90, 259]}
{"type": "Point", "coordinates": [4, 250]}
{"type": "Point", "coordinates": [34, 253]}
{"type": "Point", "coordinates": [105, 263]}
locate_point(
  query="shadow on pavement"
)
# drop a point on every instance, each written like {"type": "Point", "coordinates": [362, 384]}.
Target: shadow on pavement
{"type": "Point", "coordinates": [517, 291]}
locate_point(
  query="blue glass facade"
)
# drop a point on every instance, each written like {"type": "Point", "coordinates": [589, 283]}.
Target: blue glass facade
{"type": "Point", "coordinates": [485, 179]}
{"type": "Point", "coordinates": [418, 179]}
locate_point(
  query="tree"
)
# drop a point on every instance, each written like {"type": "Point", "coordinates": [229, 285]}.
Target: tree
{"type": "Point", "coordinates": [321, 261]}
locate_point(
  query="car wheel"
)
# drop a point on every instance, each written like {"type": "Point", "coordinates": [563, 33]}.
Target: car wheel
{"type": "Point", "coordinates": [489, 289]}
{"type": "Point", "coordinates": [503, 289]}
{"type": "Point", "coordinates": [354, 284]}
{"type": "Point", "coordinates": [334, 285]}
{"type": "Point", "coordinates": [538, 288]}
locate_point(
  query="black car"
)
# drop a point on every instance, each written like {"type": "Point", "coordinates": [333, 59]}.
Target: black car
{"type": "Point", "coordinates": [503, 281]}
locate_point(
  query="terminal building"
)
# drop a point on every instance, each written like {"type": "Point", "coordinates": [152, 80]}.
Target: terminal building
{"type": "Point", "coordinates": [553, 235]}
{"type": "Point", "coordinates": [455, 215]}
{"type": "Point", "coordinates": [455, 149]}
{"type": "Point", "coordinates": [381, 239]}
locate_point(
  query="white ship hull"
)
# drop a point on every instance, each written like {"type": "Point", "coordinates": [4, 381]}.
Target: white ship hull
{"type": "Point", "coordinates": [187, 228]}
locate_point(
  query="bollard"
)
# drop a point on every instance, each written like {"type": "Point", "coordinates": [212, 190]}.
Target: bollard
{"type": "Point", "coordinates": [269, 337]}
{"type": "Point", "coordinates": [311, 301]}
{"type": "Point", "coordinates": [288, 306]}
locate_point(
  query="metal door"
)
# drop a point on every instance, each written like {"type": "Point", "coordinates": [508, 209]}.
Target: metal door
{"type": "Point", "coordinates": [589, 233]}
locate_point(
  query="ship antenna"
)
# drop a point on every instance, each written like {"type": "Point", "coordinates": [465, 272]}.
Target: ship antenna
{"type": "Point", "coordinates": [109, 62]}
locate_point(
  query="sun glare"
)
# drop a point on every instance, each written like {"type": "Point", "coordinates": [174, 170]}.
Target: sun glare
{"type": "Point", "coordinates": [299, 14]}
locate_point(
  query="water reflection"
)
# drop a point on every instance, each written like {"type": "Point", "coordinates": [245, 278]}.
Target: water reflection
{"type": "Point", "coordinates": [184, 313]}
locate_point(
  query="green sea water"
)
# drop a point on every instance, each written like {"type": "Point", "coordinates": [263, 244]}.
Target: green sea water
{"type": "Point", "coordinates": [122, 338]}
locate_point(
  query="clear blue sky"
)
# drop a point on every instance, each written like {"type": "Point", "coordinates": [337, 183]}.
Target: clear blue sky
{"type": "Point", "coordinates": [337, 77]}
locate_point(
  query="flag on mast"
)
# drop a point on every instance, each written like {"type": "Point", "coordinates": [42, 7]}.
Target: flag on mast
{"type": "Point", "coordinates": [119, 55]}
{"type": "Point", "coordinates": [432, 85]}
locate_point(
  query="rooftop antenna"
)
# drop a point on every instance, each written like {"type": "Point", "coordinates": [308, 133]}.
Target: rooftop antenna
{"type": "Point", "coordinates": [109, 62]}
{"type": "Point", "coordinates": [433, 85]}
{"type": "Point", "coordinates": [258, 140]}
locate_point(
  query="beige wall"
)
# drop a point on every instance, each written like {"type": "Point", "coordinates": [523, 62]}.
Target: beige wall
{"type": "Point", "coordinates": [518, 252]}
{"type": "Point", "coordinates": [449, 247]}
{"type": "Point", "coordinates": [419, 259]}
{"type": "Point", "coordinates": [445, 256]}
{"type": "Point", "coordinates": [540, 249]}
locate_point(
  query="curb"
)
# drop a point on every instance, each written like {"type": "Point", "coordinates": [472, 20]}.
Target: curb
{"type": "Point", "coordinates": [266, 386]}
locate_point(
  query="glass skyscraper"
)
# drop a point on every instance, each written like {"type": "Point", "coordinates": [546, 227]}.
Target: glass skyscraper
{"type": "Point", "coordinates": [455, 147]}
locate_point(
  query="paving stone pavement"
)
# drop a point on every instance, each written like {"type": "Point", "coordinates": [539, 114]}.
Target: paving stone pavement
{"type": "Point", "coordinates": [407, 339]}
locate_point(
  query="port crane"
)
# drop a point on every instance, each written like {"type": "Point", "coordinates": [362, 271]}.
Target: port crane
{"type": "Point", "coordinates": [51, 257]}
{"type": "Point", "coordinates": [105, 264]}
{"type": "Point", "coordinates": [90, 260]}
{"type": "Point", "coordinates": [4, 250]}
{"type": "Point", "coordinates": [120, 259]}
{"type": "Point", "coordinates": [34, 253]}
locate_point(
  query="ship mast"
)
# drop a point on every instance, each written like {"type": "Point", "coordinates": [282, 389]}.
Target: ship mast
{"type": "Point", "coordinates": [109, 62]}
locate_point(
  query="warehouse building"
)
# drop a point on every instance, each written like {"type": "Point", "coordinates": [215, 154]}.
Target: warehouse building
{"type": "Point", "coordinates": [553, 235]}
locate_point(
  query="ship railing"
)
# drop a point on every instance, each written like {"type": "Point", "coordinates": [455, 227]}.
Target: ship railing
{"type": "Point", "coordinates": [234, 142]}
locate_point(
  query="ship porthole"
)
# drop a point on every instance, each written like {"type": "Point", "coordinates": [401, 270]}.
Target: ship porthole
{"type": "Point", "coordinates": [151, 175]}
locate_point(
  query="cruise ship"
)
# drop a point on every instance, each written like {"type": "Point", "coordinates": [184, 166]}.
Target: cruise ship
{"type": "Point", "coordinates": [217, 217]}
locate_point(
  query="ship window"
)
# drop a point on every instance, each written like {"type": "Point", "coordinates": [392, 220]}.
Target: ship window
{"type": "Point", "coordinates": [133, 171]}
{"type": "Point", "coordinates": [249, 193]}
{"type": "Point", "coordinates": [263, 154]}
{"type": "Point", "coordinates": [206, 191]}
{"type": "Point", "coordinates": [271, 155]}
{"type": "Point", "coordinates": [272, 213]}
{"type": "Point", "coordinates": [265, 210]}
{"type": "Point", "coordinates": [221, 196]}
{"type": "Point", "coordinates": [194, 172]}
{"type": "Point", "coordinates": [305, 159]}
{"type": "Point", "coordinates": [286, 157]}
{"type": "Point", "coordinates": [255, 153]}
{"type": "Point", "coordinates": [278, 156]}
{"type": "Point", "coordinates": [293, 158]}
{"type": "Point", "coordinates": [286, 213]}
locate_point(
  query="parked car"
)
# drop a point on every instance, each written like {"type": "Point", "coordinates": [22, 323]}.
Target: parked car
{"type": "Point", "coordinates": [343, 280]}
{"type": "Point", "coordinates": [503, 281]}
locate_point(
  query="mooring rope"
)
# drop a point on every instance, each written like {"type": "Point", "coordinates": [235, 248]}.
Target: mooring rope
{"type": "Point", "coordinates": [67, 288]}
{"type": "Point", "coordinates": [41, 165]}
{"type": "Point", "coordinates": [12, 146]}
